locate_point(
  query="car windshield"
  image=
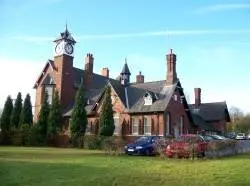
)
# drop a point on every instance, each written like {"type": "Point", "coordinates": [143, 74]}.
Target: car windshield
{"type": "Point", "coordinates": [143, 138]}
{"type": "Point", "coordinates": [241, 134]}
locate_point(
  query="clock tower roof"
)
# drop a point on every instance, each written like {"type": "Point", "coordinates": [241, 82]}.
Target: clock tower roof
{"type": "Point", "coordinates": [66, 36]}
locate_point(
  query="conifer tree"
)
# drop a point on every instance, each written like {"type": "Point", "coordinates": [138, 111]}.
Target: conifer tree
{"type": "Point", "coordinates": [5, 117]}
{"type": "Point", "coordinates": [79, 117]}
{"type": "Point", "coordinates": [26, 114]}
{"type": "Point", "coordinates": [107, 126]}
{"type": "Point", "coordinates": [42, 122]}
{"type": "Point", "coordinates": [55, 116]}
{"type": "Point", "coordinates": [15, 116]}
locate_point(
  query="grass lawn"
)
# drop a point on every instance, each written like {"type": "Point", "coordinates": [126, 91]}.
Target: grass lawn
{"type": "Point", "coordinates": [55, 166]}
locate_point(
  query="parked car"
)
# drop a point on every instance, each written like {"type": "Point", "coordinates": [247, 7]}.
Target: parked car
{"type": "Point", "coordinates": [187, 145]}
{"type": "Point", "coordinates": [144, 146]}
{"type": "Point", "coordinates": [231, 135]}
{"type": "Point", "coordinates": [248, 136]}
{"type": "Point", "coordinates": [240, 136]}
{"type": "Point", "coordinates": [218, 137]}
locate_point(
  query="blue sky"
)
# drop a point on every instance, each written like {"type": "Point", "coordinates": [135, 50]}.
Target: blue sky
{"type": "Point", "coordinates": [211, 40]}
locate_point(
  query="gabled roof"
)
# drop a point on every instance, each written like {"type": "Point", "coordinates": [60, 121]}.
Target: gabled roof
{"type": "Point", "coordinates": [200, 122]}
{"type": "Point", "coordinates": [49, 63]}
{"type": "Point", "coordinates": [215, 111]}
{"type": "Point", "coordinates": [137, 91]}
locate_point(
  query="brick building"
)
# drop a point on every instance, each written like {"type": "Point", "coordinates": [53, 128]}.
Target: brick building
{"type": "Point", "coordinates": [140, 108]}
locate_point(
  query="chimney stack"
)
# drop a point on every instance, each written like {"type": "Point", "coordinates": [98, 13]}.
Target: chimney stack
{"type": "Point", "coordinates": [105, 72]}
{"type": "Point", "coordinates": [171, 68]}
{"type": "Point", "coordinates": [89, 61]}
{"type": "Point", "coordinates": [140, 78]}
{"type": "Point", "coordinates": [88, 70]}
{"type": "Point", "coordinates": [197, 94]}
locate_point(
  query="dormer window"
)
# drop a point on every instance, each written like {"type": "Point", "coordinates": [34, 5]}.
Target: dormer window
{"type": "Point", "coordinates": [148, 100]}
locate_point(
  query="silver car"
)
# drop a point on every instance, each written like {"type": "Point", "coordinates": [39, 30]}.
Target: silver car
{"type": "Point", "coordinates": [240, 136]}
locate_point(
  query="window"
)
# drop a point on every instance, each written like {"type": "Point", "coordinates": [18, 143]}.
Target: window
{"type": "Point", "coordinates": [167, 125]}
{"type": "Point", "coordinates": [134, 126]}
{"type": "Point", "coordinates": [49, 90]}
{"type": "Point", "coordinates": [117, 125]}
{"type": "Point", "coordinates": [175, 97]}
{"type": "Point", "coordinates": [148, 99]}
{"type": "Point", "coordinates": [147, 125]}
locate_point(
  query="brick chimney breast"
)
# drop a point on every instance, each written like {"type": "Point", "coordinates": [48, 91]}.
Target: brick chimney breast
{"type": "Point", "coordinates": [197, 94]}
{"type": "Point", "coordinates": [105, 72]}
{"type": "Point", "coordinates": [88, 70]}
{"type": "Point", "coordinates": [89, 62]}
{"type": "Point", "coordinates": [171, 76]}
{"type": "Point", "coordinates": [140, 78]}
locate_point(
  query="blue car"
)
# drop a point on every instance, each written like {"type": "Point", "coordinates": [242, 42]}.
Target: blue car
{"type": "Point", "coordinates": [144, 146]}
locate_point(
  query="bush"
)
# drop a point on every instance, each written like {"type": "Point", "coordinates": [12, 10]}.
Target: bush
{"type": "Point", "coordinates": [161, 145]}
{"type": "Point", "coordinates": [34, 138]}
{"type": "Point", "coordinates": [16, 137]}
{"type": "Point", "coordinates": [113, 145]}
{"type": "Point", "coordinates": [5, 138]}
{"type": "Point", "coordinates": [77, 140]}
{"type": "Point", "coordinates": [221, 148]}
{"type": "Point", "coordinates": [93, 142]}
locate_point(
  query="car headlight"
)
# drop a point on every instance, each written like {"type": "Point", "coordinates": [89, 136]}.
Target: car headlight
{"type": "Point", "coordinates": [138, 147]}
{"type": "Point", "coordinates": [125, 146]}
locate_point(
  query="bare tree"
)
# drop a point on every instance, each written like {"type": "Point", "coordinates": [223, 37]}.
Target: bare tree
{"type": "Point", "coordinates": [235, 114]}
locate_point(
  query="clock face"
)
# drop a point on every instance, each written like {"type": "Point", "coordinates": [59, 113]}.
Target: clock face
{"type": "Point", "coordinates": [59, 48]}
{"type": "Point", "coordinates": [69, 48]}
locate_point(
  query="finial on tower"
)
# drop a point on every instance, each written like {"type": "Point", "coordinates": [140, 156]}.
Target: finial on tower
{"type": "Point", "coordinates": [125, 60]}
{"type": "Point", "coordinates": [171, 51]}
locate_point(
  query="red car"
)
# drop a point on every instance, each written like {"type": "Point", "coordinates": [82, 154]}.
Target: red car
{"type": "Point", "coordinates": [187, 145]}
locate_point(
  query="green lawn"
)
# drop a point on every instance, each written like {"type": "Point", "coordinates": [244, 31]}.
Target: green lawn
{"type": "Point", "coordinates": [54, 166]}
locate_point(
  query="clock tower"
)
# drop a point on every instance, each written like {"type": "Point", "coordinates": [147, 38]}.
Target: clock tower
{"type": "Point", "coordinates": [63, 60]}
{"type": "Point", "coordinates": [64, 44]}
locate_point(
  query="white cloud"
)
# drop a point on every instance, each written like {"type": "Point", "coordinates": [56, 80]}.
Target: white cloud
{"type": "Point", "coordinates": [222, 7]}
{"type": "Point", "coordinates": [18, 75]}
{"type": "Point", "coordinates": [161, 33]}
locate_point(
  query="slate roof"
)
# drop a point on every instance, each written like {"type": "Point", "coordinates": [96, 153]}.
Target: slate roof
{"type": "Point", "coordinates": [200, 122]}
{"type": "Point", "coordinates": [132, 97]}
{"type": "Point", "coordinates": [159, 89]}
{"type": "Point", "coordinates": [211, 111]}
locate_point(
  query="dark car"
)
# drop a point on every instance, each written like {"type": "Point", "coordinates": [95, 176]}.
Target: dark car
{"type": "Point", "coordinates": [143, 145]}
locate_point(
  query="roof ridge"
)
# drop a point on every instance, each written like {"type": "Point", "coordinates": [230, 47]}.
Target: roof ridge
{"type": "Point", "coordinates": [134, 83]}
{"type": "Point", "coordinates": [210, 102]}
